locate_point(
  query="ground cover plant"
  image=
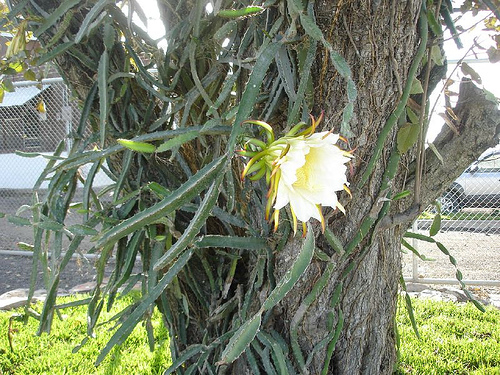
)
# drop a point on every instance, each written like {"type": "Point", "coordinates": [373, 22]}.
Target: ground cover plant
{"type": "Point", "coordinates": [454, 338]}
{"type": "Point", "coordinates": [56, 354]}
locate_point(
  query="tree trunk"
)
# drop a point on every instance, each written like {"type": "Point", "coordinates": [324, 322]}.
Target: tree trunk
{"type": "Point", "coordinates": [342, 310]}
{"type": "Point", "coordinates": [379, 41]}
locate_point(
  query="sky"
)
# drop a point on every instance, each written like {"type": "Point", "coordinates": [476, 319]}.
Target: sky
{"type": "Point", "coordinates": [477, 59]}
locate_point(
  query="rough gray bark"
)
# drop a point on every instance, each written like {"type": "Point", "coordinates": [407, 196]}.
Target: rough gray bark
{"type": "Point", "coordinates": [378, 40]}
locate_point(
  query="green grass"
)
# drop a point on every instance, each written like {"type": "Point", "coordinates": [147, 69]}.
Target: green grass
{"type": "Point", "coordinates": [455, 339]}
{"type": "Point", "coordinates": [52, 354]}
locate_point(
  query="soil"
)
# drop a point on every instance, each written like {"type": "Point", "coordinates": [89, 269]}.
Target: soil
{"type": "Point", "coordinates": [15, 270]}
{"type": "Point", "coordinates": [15, 273]}
{"type": "Point", "coordinates": [477, 256]}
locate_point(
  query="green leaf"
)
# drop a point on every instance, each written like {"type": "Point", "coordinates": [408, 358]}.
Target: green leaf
{"type": "Point", "coordinates": [412, 116]}
{"type": "Point", "coordinates": [333, 241]}
{"type": "Point", "coordinates": [401, 195]}
{"type": "Point", "coordinates": [25, 246]}
{"type": "Point", "coordinates": [293, 275]}
{"type": "Point", "coordinates": [36, 154]}
{"type": "Point", "coordinates": [183, 194]}
{"type": "Point", "coordinates": [233, 242]}
{"type": "Point", "coordinates": [411, 314]}
{"type": "Point", "coordinates": [186, 354]}
{"type": "Point", "coordinates": [49, 56]}
{"type": "Point", "coordinates": [82, 230]}
{"type": "Point", "coordinates": [49, 224]}
{"type": "Point", "coordinates": [17, 66]}
{"type": "Point", "coordinates": [436, 225]}
{"type": "Point", "coordinates": [82, 158]}
{"type": "Point", "coordinates": [55, 15]}
{"type": "Point", "coordinates": [414, 251]}
{"type": "Point", "coordinates": [434, 24]}
{"type": "Point", "coordinates": [244, 12]}
{"type": "Point", "coordinates": [137, 146]}
{"type": "Point", "coordinates": [8, 85]}
{"type": "Point", "coordinates": [102, 81]}
{"type": "Point", "coordinates": [252, 89]}
{"type": "Point", "coordinates": [161, 190]}
{"type": "Point", "coordinates": [29, 75]}
{"type": "Point", "coordinates": [285, 72]}
{"type": "Point", "coordinates": [178, 141]}
{"type": "Point", "coordinates": [225, 30]}
{"type": "Point", "coordinates": [407, 137]}
{"type": "Point", "coordinates": [90, 17]}
{"type": "Point", "coordinates": [269, 341]}
{"type": "Point", "coordinates": [416, 87]}
{"type": "Point", "coordinates": [310, 27]}
{"type": "Point", "coordinates": [59, 149]}
{"type": "Point", "coordinates": [443, 248]}
{"type": "Point", "coordinates": [418, 236]}
{"type": "Point", "coordinates": [241, 339]}
{"type": "Point", "coordinates": [149, 299]}
{"type": "Point", "coordinates": [108, 36]}
{"type": "Point", "coordinates": [194, 226]}
{"type": "Point", "coordinates": [18, 220]}
{"type": "Point", "coordinates": [436, 55]}
{"type": "Point", "coordinates": [468, 71]}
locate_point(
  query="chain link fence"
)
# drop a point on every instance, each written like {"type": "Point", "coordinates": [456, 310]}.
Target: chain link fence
{"type": "Point", "coordinates": [33, 119]}
{"type": "Point", "coordinates": [470, 229]}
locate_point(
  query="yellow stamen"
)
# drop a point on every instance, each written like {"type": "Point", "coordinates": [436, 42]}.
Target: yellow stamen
{"type": "Point", "coordinates": [294, 219]}
{"type": "Point", "coordinates": [276, 218]}
{"type": "Point", "coordinates": [340, 207]}
{"type": "Point", "coordinates": [348, 190]}
{"type": "Point", "coordinates": [323, 223]}
{"type": "Point", "coordinates": [270, 201]}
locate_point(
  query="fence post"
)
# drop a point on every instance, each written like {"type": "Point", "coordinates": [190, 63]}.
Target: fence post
{"type": "Point", "coordinates": [414, 243]}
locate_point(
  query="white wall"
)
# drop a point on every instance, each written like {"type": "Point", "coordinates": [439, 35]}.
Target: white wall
{"type": "Point", "coordinates": [17, 172]}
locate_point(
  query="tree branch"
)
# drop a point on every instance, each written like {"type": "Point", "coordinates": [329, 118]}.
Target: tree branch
{"type": "Point", "coordinates": [479, 127]}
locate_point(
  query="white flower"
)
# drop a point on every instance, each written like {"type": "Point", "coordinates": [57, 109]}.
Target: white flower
{"type": "Point", "coordinates": [312, 171]}
{"type": "Point", "coordinates": [304, 170]}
